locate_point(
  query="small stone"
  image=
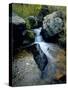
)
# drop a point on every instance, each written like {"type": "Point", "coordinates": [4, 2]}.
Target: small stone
{"type": "Point", "coordinates": [27, 64]}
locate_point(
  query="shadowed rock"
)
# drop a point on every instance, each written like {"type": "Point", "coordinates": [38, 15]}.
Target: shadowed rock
{"type": "Point", "coordinates": [39, 56]}
{"type": "Point", "coordinates": [17, 27]}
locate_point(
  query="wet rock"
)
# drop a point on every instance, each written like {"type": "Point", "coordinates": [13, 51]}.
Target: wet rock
{"type": "Point", "coordinates": [39, 56]}
{"type": "Point", "coordinates": [52, 26]}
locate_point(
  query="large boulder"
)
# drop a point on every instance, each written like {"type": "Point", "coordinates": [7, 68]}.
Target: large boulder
{"type": "Point", "coordinates": [52, 25]}
{"type": "Point", "coordinates": [16, 19]}
{"type": "Point", "coordinates": [17, 27]}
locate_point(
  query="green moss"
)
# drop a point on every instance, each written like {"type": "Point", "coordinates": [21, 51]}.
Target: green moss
{"type": "Point", "coordinates": [30, 35]}
{"type": "Point", "coordinates": [25, 10]}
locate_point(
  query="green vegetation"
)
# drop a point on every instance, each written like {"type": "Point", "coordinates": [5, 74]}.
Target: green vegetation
{"type": "Point", "coordinates": [30, 35]}
{"type": "Point", "coordinates": [25, 10]}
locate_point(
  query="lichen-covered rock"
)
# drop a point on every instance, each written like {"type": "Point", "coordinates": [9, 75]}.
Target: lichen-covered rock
{"type": "Point", "coordinates": [52, 25]}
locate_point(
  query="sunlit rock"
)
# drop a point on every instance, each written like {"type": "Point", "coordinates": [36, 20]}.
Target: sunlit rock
{"type": "Point", "coordinates": [52, 26]}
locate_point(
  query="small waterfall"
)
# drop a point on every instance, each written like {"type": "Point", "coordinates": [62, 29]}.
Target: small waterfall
{"type": "Point", "coordinates": [38, 37]}
{"type": "Point", "coordinates": [49, 50]}
{"type": "Point", "coordinates": [43, 45]}
{"type": "Point", "coordinates": [41, 59]}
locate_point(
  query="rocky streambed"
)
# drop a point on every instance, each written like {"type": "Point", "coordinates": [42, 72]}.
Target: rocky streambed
{"type": "Point", "coordinates": [38, 58]}
{"type": "Point", "coordinates": [25, 69]}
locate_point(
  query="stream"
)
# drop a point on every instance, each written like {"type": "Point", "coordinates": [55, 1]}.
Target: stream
{"type": "Point", "coordinates": [52, 52]}
{"type": "Point", "coordinates": [47, 65]}
{"type": "Point", "coordinates": [47, 48]}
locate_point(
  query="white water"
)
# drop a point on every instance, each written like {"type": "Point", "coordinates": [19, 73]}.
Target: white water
{"type": "Point", "coordinates": [38, 37]}
{"type": "Point", "coordinates": [49, 49]}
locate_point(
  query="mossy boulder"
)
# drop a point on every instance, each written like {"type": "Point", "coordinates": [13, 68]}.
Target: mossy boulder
{"type": "Point", "coordinates": [31, 22]}
{"type": "Point", "coordinates": [30, 36]}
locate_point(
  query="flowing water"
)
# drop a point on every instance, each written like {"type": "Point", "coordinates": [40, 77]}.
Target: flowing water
{"type": "Point", "coordinates": [25, 70]}
{"type": "Point", "coordinates": [49, 49]}
{"type": "Point", "coordinates": [52, 52]}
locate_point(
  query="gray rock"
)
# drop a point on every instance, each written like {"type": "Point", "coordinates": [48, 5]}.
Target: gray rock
{"type": "Point", "coordinates": [40, 58]}
{"type": "Point", "coordinates": [52, 24]}
{"type": "Point", "coordinates": [15, 19]}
